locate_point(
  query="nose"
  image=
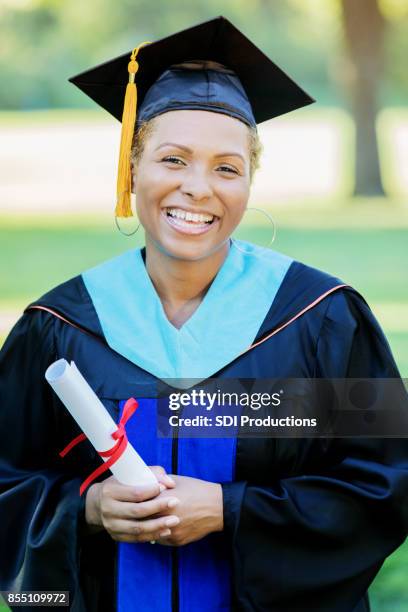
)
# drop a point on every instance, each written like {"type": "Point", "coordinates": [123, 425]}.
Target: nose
{"type": "Point", "coordinates": [196, 185]}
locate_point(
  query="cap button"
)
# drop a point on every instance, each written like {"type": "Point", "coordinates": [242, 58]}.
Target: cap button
{"type": "Point", "coordinates": [133, 66]}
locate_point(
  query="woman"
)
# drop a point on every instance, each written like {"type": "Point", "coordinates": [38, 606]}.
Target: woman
{"type": "Point", "coordinates": [271, 523]}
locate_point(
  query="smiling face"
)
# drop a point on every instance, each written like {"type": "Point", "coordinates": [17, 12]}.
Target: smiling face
{"type": "Point", "coordinates": [192, 182]}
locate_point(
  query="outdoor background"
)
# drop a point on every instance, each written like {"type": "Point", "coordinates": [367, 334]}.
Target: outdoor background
{"type": "Point", "coordinates": [334, 175]}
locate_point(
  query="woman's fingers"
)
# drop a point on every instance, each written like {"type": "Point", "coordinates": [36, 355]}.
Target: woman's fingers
{"type": "Point", "coordinates": [128, 506]}
{"type": "Point", "coordinates": [142, 531]}
{"type": "Point", "coordinates": [115, 490]}
{"type": "Point", "coordinates": [141, 510]}
{"type": "Point", "coordinates": [162, 476]}
{"type": "Point", "coordinates": [112, 488]}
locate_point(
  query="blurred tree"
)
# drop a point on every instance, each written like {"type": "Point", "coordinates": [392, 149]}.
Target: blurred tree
{"type": "Point", "coordinates": [364, 26]}
{"type": "Point", "coordinates": [374, 33]}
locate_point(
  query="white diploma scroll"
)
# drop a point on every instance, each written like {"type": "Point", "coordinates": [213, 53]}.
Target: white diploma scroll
{"type": "Point", "coordinates": [95, 421]}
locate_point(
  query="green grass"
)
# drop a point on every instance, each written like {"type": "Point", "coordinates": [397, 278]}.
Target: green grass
{"type": "Point", "coordinates": [34, 260]}
{"type": "Point", "coordinates": [366, 246]}
{"type": "Point", "coordinates": [389, 592]}
{"type": "Point", "coordinates": [3, 606]}
{"type": "Point", "coordinates": [373, 260]}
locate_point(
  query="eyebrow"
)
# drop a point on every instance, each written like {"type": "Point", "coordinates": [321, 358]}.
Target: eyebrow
{"type": "Point", "coordinates": [188, 150]}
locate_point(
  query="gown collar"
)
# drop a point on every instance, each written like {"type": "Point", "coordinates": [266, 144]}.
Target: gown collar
{"type": "Point", "coordinates": [224, 325]}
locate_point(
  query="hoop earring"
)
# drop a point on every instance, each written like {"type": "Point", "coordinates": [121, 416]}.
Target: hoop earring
{"type": "Point", "coordinates": [117, 224]}
{"type": "Point", "coordinates": [132, 197]}
{"type": "Point", "coordinates": [124, 233]}
{"type": "Point", "coordinates": [269, 217]}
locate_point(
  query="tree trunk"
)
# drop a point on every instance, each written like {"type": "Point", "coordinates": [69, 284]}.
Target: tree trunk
{"type": "Point", "coordinates": [364, 28]}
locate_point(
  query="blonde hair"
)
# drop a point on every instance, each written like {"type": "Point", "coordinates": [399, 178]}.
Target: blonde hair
{"type": "Point", "coordinates": [147, 127]}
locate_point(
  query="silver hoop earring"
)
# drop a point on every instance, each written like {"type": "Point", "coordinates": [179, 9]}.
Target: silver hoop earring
{"type": "Point", "coordinates": [269, 217]}
{"type": "Point", "coordinates": [124, 233]}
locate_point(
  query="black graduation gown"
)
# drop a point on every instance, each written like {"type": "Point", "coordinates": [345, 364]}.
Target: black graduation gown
{"type": "Point", "coordinates": [308, 523]}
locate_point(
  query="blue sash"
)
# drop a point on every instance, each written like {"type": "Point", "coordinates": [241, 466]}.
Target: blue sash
{"type": "Point", "coordinates": [144, 572]}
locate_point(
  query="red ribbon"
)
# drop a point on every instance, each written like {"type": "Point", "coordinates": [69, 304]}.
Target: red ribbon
{"type": "Point", "coordinates": [113, 453]}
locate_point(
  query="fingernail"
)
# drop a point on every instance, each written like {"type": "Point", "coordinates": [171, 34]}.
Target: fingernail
{"type": "Point", "coordinates": [162, 487]}
{"type": "Point", "coordinates": [170, 480]}
{"type": "Point", "coordinates": [173, 502]}
{"type": "Point", "coordinates": [172, 521]}
{"type": "Point", "coordinates": [163, 534]}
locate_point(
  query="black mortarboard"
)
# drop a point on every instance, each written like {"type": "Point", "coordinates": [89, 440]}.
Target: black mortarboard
{"type": "Point", "coordinates": [247, 85]}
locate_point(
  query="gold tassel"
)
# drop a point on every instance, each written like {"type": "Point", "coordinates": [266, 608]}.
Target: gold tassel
{"type": "Point", "coordinates": [124, 184]}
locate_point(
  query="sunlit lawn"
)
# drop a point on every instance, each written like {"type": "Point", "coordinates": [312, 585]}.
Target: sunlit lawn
{"type": "Point", "coordinates": [374, 260]}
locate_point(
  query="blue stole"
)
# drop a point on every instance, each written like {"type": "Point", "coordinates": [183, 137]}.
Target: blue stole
{"type": "Point", "coordinates": [144, 572]}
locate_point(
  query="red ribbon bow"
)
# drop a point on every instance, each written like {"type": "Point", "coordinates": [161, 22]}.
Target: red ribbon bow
{"type": "Point", "coordinates": [115, 452]}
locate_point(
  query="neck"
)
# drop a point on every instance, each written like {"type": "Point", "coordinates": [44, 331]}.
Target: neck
{"type": "Point", "coordinates": [182, 284]}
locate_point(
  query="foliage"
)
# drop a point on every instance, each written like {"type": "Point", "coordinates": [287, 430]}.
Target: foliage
{"type": "Point", "coordinates": [45, 41]}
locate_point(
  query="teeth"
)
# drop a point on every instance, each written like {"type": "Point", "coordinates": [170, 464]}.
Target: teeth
{"type": "Point", "coordinates": [188, 216]}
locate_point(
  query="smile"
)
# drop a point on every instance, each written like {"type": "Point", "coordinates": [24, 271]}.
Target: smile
{"type": "Point", "coordinates": [188, 222]}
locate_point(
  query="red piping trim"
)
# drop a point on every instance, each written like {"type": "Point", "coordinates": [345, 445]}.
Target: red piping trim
{"type": "Point", "coordinates": [275, 331]}
{"type": "Point", "coordinates": [278, 329]}
{"type": "Point", "coordinates": [62, 319]}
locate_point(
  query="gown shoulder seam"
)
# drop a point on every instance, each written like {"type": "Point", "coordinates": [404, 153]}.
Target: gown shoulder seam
{"type": "Point", "coordinates": [296, 316]}
{"type": "Point", "coordinates": [55, 313]}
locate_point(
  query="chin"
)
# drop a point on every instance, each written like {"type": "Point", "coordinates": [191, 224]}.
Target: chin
{"type": "Point", "coordinates": [189, 250]}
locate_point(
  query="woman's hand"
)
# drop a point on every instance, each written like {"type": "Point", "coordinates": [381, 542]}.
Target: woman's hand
{"type": "Point", "coordinates": [200, 510]}
{"type": "Point", "coordinates": [122, 509]}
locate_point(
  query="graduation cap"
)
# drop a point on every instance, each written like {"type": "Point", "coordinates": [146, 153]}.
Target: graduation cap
{"type": "Point", "coordinates": [210, 66]}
